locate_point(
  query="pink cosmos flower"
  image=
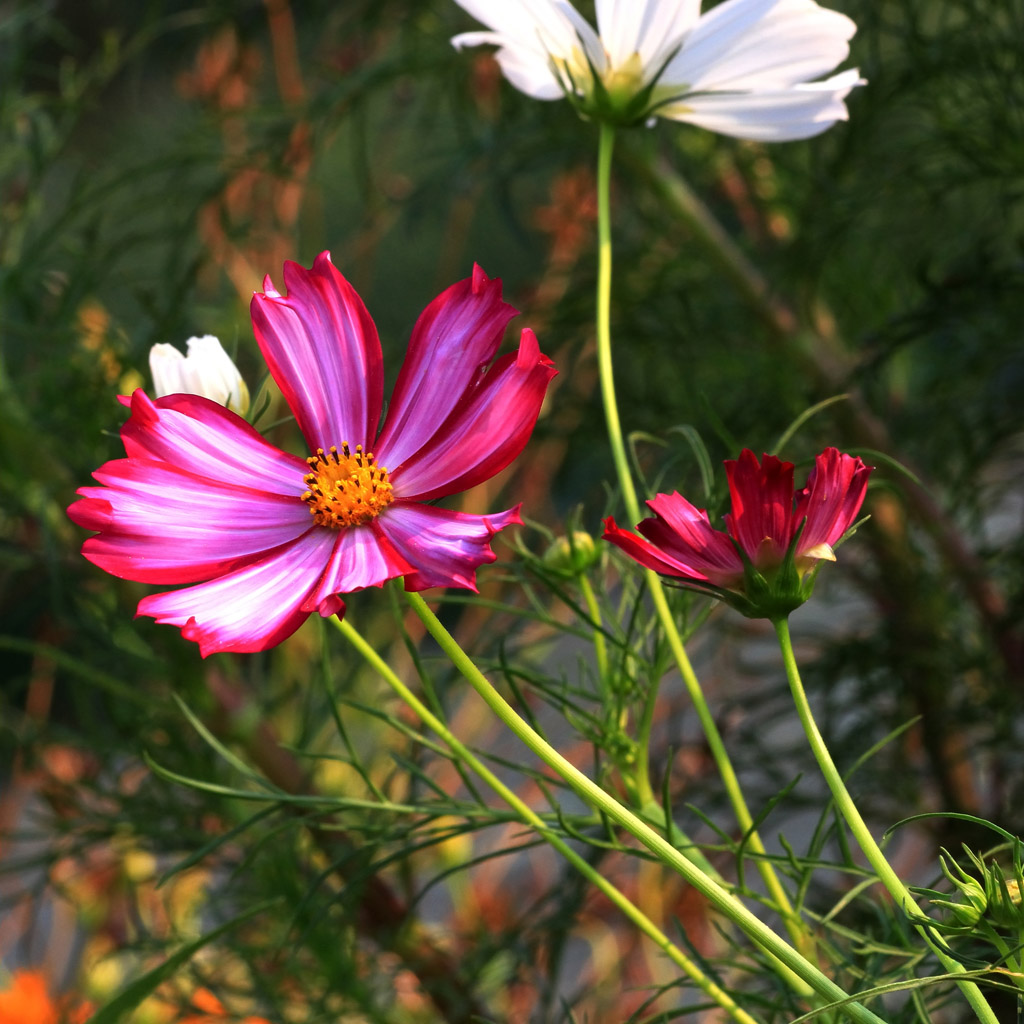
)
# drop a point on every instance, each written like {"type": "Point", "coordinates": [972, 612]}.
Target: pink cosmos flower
{"type": "Point", "coordinates": [766, 561]}
{"type": "Point", "coordinates": [268, 537]}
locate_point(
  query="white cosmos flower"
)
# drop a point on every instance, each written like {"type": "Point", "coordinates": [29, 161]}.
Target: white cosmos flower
{"type": "Point", "coordinates": [207, 370]}
{"type": "Point", "coordinates": [745, 68]}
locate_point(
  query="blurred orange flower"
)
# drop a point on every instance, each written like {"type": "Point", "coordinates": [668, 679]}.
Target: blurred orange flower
{"type": "Point", "coordinates": [28, 1001]}
{"type": "Point", "coordinates": [211, 1010]}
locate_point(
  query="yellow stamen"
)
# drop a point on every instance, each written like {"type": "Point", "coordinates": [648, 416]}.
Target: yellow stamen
{"type": "Point", "coordinates": [346, 489]}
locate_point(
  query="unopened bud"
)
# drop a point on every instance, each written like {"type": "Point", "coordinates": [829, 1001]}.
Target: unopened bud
{"type": "Point", "coordinates": [572, 555]}
{"type": "Point", "coordinates": [1004, 900]}
{"type": "Point", "coordinates": [207, 370]}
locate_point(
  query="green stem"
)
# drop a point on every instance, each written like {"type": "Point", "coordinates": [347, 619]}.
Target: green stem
{"type": "Point", "coordinates": [1011, 957]}
{"type": "Point", "coordinates": [642, 783]}
{"type": "Point", "coordinates": [600, 647]}
{"type": "Point", "coordinates": [606, 804]}
{"type": "Point", "coordinates": [539, 825]}
{"type": "Point", "coordinates": [606, 144]}
{"type": "Point", "coordinates": [848, 809]}
{"type": "Point", "coordinates": [795, 926]}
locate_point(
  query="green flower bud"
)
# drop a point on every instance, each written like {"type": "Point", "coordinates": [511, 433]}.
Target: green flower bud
{"type": "Point", "coordinates": [572, 555]}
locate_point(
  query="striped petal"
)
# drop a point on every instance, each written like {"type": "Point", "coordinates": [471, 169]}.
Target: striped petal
{"type": "Point", "coordinates": [485, 433]}
{"type": "Point", "coordinates": [159, 523]}
{"type": "Point", "coordinates": [453, 340]}
{"type": "Point", "coordinates": [253, 608]}
{"type": "Point", "coordinates": [445, 547]}
{"type": "Point", "coordinates": [362, 557]}
{"type": "Point", "coordinates": [206, 439]}
{"type": "Point", "coordinates": [323, 351]}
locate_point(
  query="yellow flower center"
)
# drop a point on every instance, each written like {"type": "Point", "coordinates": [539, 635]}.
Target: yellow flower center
{"type": "Point", "coordinates": [346, 488]}
{"type": "Point", "coordinates": [624, 82]}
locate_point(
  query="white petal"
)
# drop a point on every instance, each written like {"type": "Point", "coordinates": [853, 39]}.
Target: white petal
{"type": "Point", "coordinates": [651, 28]}
{"type": "Point", "coordinates": [207, 371]}
{"type": "Point", "coordinates": [530, 33]}
{"type": "Point", "coordinates": [167, 368]}
{"type": "Point", "coordinates": [779, 115]}
{"type": "Point", "coordinates": [527, 68]}
{"type": "Point", "coordinates": [750, 44]}
{"type": "Point", "coordinates": [214, 374]}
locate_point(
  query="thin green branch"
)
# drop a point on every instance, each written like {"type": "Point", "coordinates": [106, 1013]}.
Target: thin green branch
{"type": "Point", "coordinates": [537, 823]}
{"type": "Point", "coordinates": [794, 962]}
{"type": "Point", "coordinates": [795, 926]}
{"type": "Point", "coordinates": [876, 858]}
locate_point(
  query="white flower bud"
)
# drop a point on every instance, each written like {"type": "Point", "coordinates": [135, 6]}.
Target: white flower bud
{"type": "Point", "coordinates": [207, 370]}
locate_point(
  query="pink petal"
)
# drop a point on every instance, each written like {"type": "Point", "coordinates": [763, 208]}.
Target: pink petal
{"type": "Point", "coordinates": [322, 349]}
{"type": "Point", "coordinates": [362, 557]}
{"type": "Point", "coordinates": [452, 342]}
{"type": "Point", "coordinates": [445, 547]}
{"type": "Point", "coordinates": [201, 437]}
{"type": "Point", "coordinates": [832, 498]}
{"type": "Point", "coordinates": [643, 551]}
{"type": "Point", "coordinates": [485, 433]}
{"type": "Point", "coordinates": [762, 506]}
{"type": "Point", "coordinates": [160, 524]}
{"type": "Point", "coordinates": [253, 608]}
{"type": "Point", "coordinates": [684, 533]}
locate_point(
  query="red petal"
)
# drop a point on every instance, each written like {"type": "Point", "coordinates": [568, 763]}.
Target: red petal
{"type": "Point", "coordinates": [762, 506]}
{"type": "Point", "coordinates": [832, 498]}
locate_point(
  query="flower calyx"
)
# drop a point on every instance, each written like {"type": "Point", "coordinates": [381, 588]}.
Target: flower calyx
{"type": "Point", "coordinates": [623, 96]}
{"type": "Point", "coordinates": [987, 899]}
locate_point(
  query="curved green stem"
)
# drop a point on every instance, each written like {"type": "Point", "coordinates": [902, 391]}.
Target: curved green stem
{"type": "Point", "coordinates": [642, 783]}
{"type": "Point", "coordinates": [537, 823]}
{"type": "Point", "coordinates": [606, 804]}
{"type": "Point", "coordinates": [606, 372]}
{"type": "Point", "coordinates": [876, 858]}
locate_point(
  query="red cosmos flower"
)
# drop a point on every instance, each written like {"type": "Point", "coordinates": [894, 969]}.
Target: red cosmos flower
{"type": "Point", "coordinates": [765, 563]}
{"type": "Point", "coordinates": [269, 537]}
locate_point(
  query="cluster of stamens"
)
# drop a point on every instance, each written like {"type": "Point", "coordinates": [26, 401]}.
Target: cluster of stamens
{"type": "Point", "coordinates": [346, 488]}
